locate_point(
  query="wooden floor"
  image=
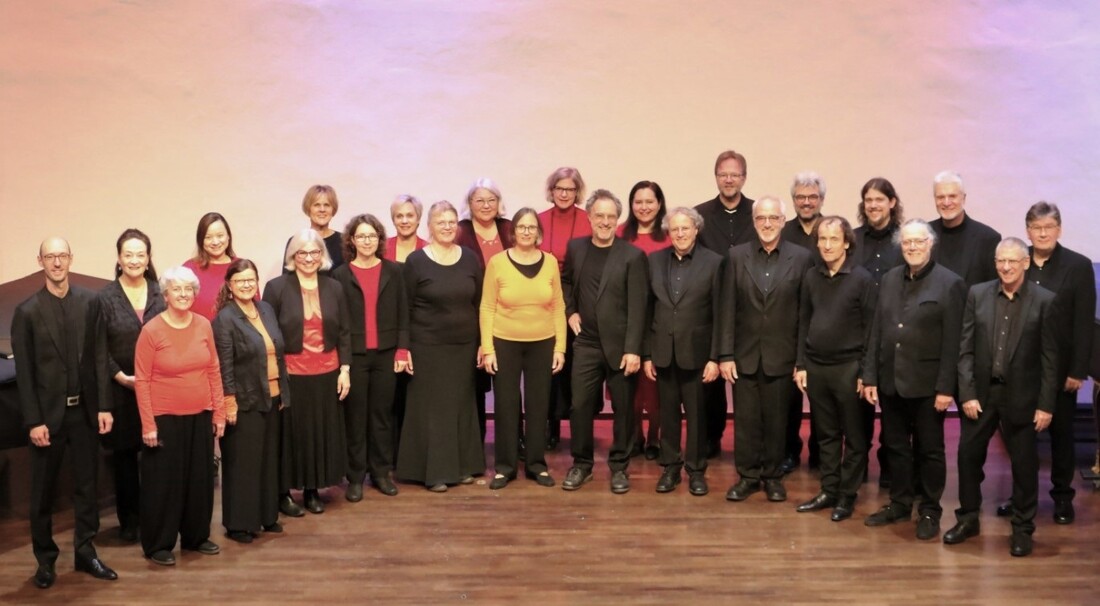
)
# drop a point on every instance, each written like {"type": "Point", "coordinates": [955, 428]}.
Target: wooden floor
{"type": "Point", "coordinates": [528, 544]}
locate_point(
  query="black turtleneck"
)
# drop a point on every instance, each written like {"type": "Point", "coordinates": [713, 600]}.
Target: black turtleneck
{"type": "Point", "coordinates": [967, 249]}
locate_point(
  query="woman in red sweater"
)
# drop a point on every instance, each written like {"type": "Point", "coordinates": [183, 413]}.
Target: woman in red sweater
{"type": "Point", "coordinates": [179, 393]}
{"type": "Point", "coordinates": [213, 253]}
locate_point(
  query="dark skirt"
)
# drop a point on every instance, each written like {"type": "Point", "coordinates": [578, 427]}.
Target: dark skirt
{"type": "Point", "coordinates": [315, 453]}
{"type": "Point", "coordinates": [440, 439]}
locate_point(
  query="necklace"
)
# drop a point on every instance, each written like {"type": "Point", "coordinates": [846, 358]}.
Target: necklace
{"type": "Point", "coordinates": [253, 316]}
{"type": "Point", "coordinates": [439, 258]}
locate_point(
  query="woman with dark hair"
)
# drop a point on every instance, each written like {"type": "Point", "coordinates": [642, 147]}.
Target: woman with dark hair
{"type": "Point", "coordinates": [313, 317]}
{"type": "Point", "coordinates": [213, 252]}
{"type": "Point", "coordinates": [254, 380]}
{"type": "Point", "coordinates": [643, 229]}
{"type": "Point", "coordinates": [124, 306]}
{"type": "Point", "coordinates": [522, 335]}
{"type": "Point", "coordinates": [378, 316]}
{"type": "Point", "coordinates": [440, 445]}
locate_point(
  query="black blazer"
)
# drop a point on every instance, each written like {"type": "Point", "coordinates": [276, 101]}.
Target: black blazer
{"type": "Point", "coordinates": [284, 295]}
{"type": "Point", "coordinates": [392, 308]}
{"type": "Point", "coordinates": [1070, 276]}
{"type": "Point", "coordinates": [1032, 371]}
{"type": "Point", "coordinates": [118, 327]}
{"type": "Point", "coordinates": [691, 326]}
{"type": "Point", "coordinates": [622, 299]}
{"type": "Point", "coordinates": [39, 355]}
{"type": "Point", "coordinates": [467, 237]}
{"type": "Point", "coordinates": [761, 332]}
{"type": "Point", "coordinates": [242, 356]}
{"type": "Point", "coordinates": [913, 350]}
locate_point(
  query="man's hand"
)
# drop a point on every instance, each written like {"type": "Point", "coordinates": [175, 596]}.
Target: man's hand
{"type": "Point", "coordinates": [1073, 384]}
{"type": "Point", "coordinates": [1042, 420]}
{"type": "Point", "coordinates": [870, 393]}
{"type": "Point", "coordinates": [972, 408]}
{"type": "Point", "coordinates": [800, 380]}
{"type": "Point", "coordinates": [575, 323]}
{"type": "Point", "coordinates": [630, 364]}
{"type": "Point", "coordinates": [943, 402]}
{"type": "Point", "coordinates": [711, 372]}
{"type": "Point", "coordinates": [124, 380]}
{"type": "Point", "coordinates": [729, 371]}
{"type": "Point", "coordinates": [40, 436]}
{"type": "Point", "coordinates": [106, 422]}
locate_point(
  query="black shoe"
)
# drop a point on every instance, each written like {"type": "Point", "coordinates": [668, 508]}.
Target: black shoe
{"type": "Point", "coordinates": [928, 528]}
{"type": "Point", "coordinates": [354, 493]}
{"type": "Point", "coordinates": [239, 536]}
{"type": "Point", "coordinates": [464, 480]}
{"type": "Point", "coordinates": [819, 502]}
{"type": "Point", "coordinates": [437, 487]}
{"type": "Point", "coordinates": [575, 478]}
{"type": "Point", "coordinates": [1004, 510]}
{"type": "Point", "coordinates": [620, 482]}
{"type": "Point", "coordinates": [886, 515]}
{"type": "Point", "coordinates": [788, 465]}
{"type": "Point", "coordinates": [697, 485]}
{"type": "Point", "coordinates": [775, 490]}
{"type": "Point", "coordinates": [44, 576]}
{"type": "Point", "coordinates": [714, 449]}
{"type": "Point", "coordinates": [205, 548]}
{"type": "Point", "coordinates": [384, 485]}
{"type": "Point", "coordinates": [96, 568]}
{"type": "Point", "coordinates": [1063, 512]}
{"type": "Point", "coordinates": [962, 530]}
{"type": "Point", "coordinates": [164, 558]}
{"type": "Point", "coordinates": [651, 453]}
{"type": "Point", "coordinates": [275, 528]}
{"type": "Point", "coordinates": [289, 508]}
{"type": "Point", "coordinates": [542, 479]}
{"type": "Point", "coordinates": [128, 534]}
{"type": "Point", "coordinates": [669, 480]}
{"type": "Point", "coordinates": [1020, 544]}
{"type": "Point", "coordinates": [499, 481]}
{"type": "Point", "coordinates": [843, 510]}
{"type": "Point", "coordinates": [313, 501]}
{"type": "Point", "coordinates": [741, 490]}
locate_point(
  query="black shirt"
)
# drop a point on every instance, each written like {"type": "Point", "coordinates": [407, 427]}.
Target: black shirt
{"type": "Point", "coordinates": [677, 270]}
{"type": "Point", "coordinates": [69, 320]}
{"type": "Point", "coordinates": [837, 312]}
{"type": "Point", "coordinates": [1006, 316]}
{"type": "Point", "coordinates": [792, 232]}
{"type": "Point", "coordinates": [876, 251]}
{"type": "Point", "coordinates": [530, 270]}
{"type": "Point", "coordinates": [588, 291]}
{"type": "Point", "coordinates": [762, 267]}
{"type": "Point", "coordinates": [723, 228]}
{"type": "Point", "coordinates": [967, 249]}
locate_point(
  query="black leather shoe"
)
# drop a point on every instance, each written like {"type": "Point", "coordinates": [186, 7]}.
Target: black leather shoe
{"type": "Point", "coordinates": [651, 453]}
{"type": "Point", "coordinates": [843, 510]}
{"type": "Point", "coordinates": [819, 502]}
{"type": "Point", "coordinates": [542, 479]}
{"type": "Point", "coordinates": [274, 528]}
{"type": "Point", "coordinates": [313, 501]}
{"type": "Point", "coordinates": [239, 536]}
{"type": "Point", "coordinates": [775, 490]}
{"type": "Point", "coordinates": [164, 558]}
{"type": "Point", "coordinates": [96, 568]}
{"type": "Point", "coordinates": [499, 481]}
{"type": "Point", "coordinates": [669, 480]}
{"type": "Point", "coordinates": [1004, 509]}
{"type": "Point", "coordinates": [788, 465]}
{"type": "Point", "coordinates": [928, 528]}
{"type": "Point", "coordinates": [44, 576]}
{"type": "Point", "coordinates": [575, 478]}
{"type": "Point", "coordinates": [620, 482]}
{"type": "Point", "coordinates": [962, 531]}
{"type": "Point", "coordinates": [289, 508]}
{"type": "Point", "coordinates": [1020, 544]}
{"type": "Point", "coordinates": [206, 548]}
{"type": "Point", "coordinates": [385, 485]}
{"type": "Point", "coordinates": [354, 493]}
{"type": "Point", "coordinates": [697, 485]}
{"type": "Point", "coordinates": [1063, 512]}
{"type": "Point", "coordinates": [128, 534]}
{"type": "Point", "coordinates": [741, 490]}
{"type": "Point", "coordinates": [886, 515]}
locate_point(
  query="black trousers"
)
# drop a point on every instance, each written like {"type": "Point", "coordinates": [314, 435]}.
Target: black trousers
{"type": "Point", "coordinates": [127, 476]}
{"type": "Point", "coordinates": [677, 386]}
{"type": "Point", "coordinates": [369, 415]}
{"type": "Point", "coordinates": [250, 471]}
{"type": "Point", "coordinates": [1019, 440]}
{"type": "Point", "coordinates": [590, 370]}
{"type": "Point", "coordinates": [794, 427]}
{"type": "Point", "coordinates": [912, 432]}
{"type": "Point", "coordinates": [177, 483]}
{"type": "Point", "coordinates": [1063, 455]}
{"type": "Point", "coordinates": [45, 461]}
{"type": "Point", "coordinates": [869, 431]}
{"type": "Point", "coordinates": [838, 413]}
{"type": "Point", "coordinates": [530, 361]}
{"type": "Point", "coordinates": [400, 389]}
{"type": "Point", "coordinates": [759, 424]}
{"type": "Point", "coordinates": [561, 389]}
{"type": "Point", "coordinates": [715, 407]}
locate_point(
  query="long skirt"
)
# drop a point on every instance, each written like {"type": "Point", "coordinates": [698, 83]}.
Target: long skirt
{"type": "Point", "coordinates": [315, 444]}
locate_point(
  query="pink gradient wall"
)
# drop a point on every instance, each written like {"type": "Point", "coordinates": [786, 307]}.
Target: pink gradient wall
{"type": "Point", "coordinates": [149, 113]}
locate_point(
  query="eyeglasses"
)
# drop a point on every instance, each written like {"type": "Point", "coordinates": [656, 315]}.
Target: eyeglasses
{"type": "Point", "coordinates": [729, 176]}
{"type": "Point", "coordinates": [180, 290]}
{"type": "Point", "coordinates": [1009, 262]}
{"type": "Point", "coordinates": [527, 229]}
{"type": "Point", "coordinates": [565, 190]}
{"type": "Point", "coordinates": [308, 254]}
{"type": "Point", "coordinates": [244, 281]}
{"type": "Point", "coordinates": [764, 219]}
{"type": "Point", "coordinates": [914, 243]}
{"type": "Point", "coordinates": [63, 257]}
{"type": "Point", "coordinates": [681, 230]}
{"type": "Point", "coordinates": [807, 198]}
{"type": "Point", "coordinates": [486, 202]}
{"type": "Point", "coordinates": [366, 237]}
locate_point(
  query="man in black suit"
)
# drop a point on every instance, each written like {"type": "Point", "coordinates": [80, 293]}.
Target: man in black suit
{"type": "Point", "coordinates": [1008, 378]}
{"type": "Point", "coordinates": [52, 335]}
{"type": "Point", "coordinates": [727, 222]}
{"type": "Point", "coordinates": [910, 372]}
{"type": "Point", "coordinates": [605, 285]}
{"type": "Point", "coordinates": [760, 294]}
{"type": "Point", "coordinates": [963, 245]}
{"type": "Point", "coordinates": [682, 344]}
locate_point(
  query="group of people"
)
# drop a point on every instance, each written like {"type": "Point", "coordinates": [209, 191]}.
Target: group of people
{"type": "Point", "coordinates": [371, 356]}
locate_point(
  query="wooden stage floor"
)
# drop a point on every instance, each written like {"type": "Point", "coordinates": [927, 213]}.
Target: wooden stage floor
{"type": "Point", "coordinates": [528, 544]}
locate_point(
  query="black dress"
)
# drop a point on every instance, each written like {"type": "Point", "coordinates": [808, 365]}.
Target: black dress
{"type": "Point", "coordinates": [440, 439]}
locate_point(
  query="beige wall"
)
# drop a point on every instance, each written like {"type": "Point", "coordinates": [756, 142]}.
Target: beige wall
{"type": "Point", "coordinates": [147, 114]}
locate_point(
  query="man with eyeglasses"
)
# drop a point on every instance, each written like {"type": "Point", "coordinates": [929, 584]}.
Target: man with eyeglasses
{"type": "Point", "coordinates": [1008, 375]}
{"type": "Point", "coordinates": [761, 293]}
{"type": "Point", "coordinates": [727, 222]}
{"type": "Point", "coordinates": [964, 245]}
{"type": "Point", "coordinates": [910, 372]}
{"type": "Point", "coordinates": [53, 339]}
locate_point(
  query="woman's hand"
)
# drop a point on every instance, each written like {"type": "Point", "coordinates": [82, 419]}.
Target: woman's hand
{"type": "Point", "coordinates": [409, 364]}
{"type": "Point", "coordinates": [150, 439]}
{"type": "Point", "coordinates": [558, 363]}
{"type": "Point", "coordinates": [480, 357]}
{"type": "Point", "coordinates": [489, 363]}
{"type": "Point", "coordinates": [343, 383]}
{"type": "Point", "coordinates": [219, 430]}
{"type": "Point", "coordinates": [124, 380]}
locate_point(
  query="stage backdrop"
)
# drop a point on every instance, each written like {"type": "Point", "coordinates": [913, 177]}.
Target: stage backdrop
{"type": "Point", "coordinates": [149, 113]}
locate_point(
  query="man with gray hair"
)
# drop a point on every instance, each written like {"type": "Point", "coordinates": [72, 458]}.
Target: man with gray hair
{"type": "Point", "coordinates": [605, 286]}
{"type": "Point", "coordinates": [1008, 378]}
{"type": "Point", "coordinates": [964, 245]}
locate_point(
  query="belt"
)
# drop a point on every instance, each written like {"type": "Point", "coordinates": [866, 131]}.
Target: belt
{"type": "Point", "coordinates": [998, 381]}
{"type": "Point", "coordinates": [72, 401]}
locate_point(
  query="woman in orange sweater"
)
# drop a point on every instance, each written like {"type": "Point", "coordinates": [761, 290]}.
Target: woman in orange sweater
{"type": "Point", "coordinates": [522, 334]}
{"type": "Point", "coordinates": [178, 385]}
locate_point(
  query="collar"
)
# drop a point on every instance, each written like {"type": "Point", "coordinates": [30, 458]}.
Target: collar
{"type": "Point", "coordinates": [922, 273]}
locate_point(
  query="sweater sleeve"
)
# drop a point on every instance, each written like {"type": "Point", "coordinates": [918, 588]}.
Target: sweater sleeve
{"type": "Point", "coordinates": [214, 376]}
{"type": "Point", "coordinates": [144, 355]}
{"type": "Point", "coordinates": [558, 309]}
{"type": "Point", "coordinates": [488, 309]}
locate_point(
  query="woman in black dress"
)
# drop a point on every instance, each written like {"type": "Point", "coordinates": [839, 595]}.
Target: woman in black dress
{"type": "Point", "coordinates": [124, 306]}
{"type": "Point", "coordinates": [440, 440]}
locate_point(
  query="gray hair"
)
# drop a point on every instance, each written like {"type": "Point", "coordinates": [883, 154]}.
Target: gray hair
{"type": "Point", "coordinates": [921, 223]}
{"type": "Point", "coordinates": [949, 176]}
{"type": "Point", "coordinates": [688, 212]}
{"type": "Point", "coordinates": [298, 241]}
{"type": "Point", "coordinates": [410, 199]}
{"type": "Point", "coordinates": [603, 194]}
{"type": "Point", "coordinates": [489, 185]}
{"type": "Point", "coordinates": [1016, 243]}
{"type": "Point", "coordinates": [178, 273]}
{"type": "Point", "coordinates": [770, 198]}
{"type": "Point", "coordinates": [808, 178]}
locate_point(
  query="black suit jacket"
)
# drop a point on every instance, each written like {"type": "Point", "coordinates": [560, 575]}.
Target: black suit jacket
{"type": "Point", "coordinates": [1032, 370]}
{"type": "Point", "coordinates": [913, 350]}
{"type": "Point", "coordinates": [690, 327]}
{"type": "Point", "coordinates": [761, 332]}
{"type": "Point", "coordinates": [715, 233]}
{"type": "Point", "coordinates": [622, 299]}
{"type": "Point", "coordinates": [391, 310]}
{"type": "Point", "coordinates": [242, 356]}
{"type": "Point", "coordinates": [39, 360]}
{"type": "Point", "coordinates": [284, 295]}
{"type": "Point", "coordinates": [1069, 275]}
